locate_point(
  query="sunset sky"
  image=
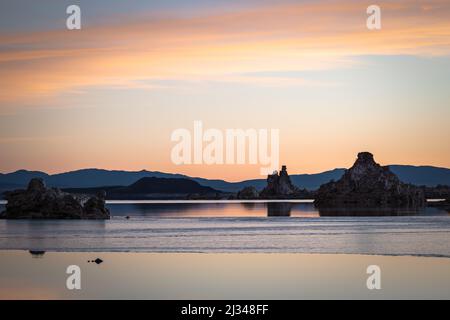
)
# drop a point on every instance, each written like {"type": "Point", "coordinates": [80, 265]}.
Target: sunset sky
{"type": "Point", "coordinates": [110, 95]}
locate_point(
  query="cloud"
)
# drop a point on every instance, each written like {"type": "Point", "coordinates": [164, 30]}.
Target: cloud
{"type": "Point", "coordinates": [319, 35]}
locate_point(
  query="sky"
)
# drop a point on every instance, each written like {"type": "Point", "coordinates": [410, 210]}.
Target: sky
{"type": "Point", "coordinates": [111, 94]}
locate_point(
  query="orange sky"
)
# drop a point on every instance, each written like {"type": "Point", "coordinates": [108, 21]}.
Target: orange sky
{"type": "Point", "coordinates": [109, 95]}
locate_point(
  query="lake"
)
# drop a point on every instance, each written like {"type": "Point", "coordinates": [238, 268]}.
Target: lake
{"type": "Point", "coordinates": [125, 275]}
{"type": "Point", "coordinates": [229, 250]}
{"type": "Point", "coordinates": [231, 226]}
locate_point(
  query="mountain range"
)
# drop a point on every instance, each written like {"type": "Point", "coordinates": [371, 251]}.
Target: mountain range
{"type": "Point", "coordinates": [91, 178]}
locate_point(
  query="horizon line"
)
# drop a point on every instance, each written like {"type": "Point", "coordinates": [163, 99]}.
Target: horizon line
{"type": "Point", "coordinates": [199, 177]}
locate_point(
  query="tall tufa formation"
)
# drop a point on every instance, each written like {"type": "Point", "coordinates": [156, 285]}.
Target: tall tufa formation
{"type": "Point", "coordinates": [279, 186]}
{"type": "Point", "coordinates": [367, 184]}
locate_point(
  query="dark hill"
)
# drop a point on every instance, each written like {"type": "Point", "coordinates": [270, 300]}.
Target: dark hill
{"type": "Point", "coordinates": [150, 188]}
{"type": "Point", "coordinates": [165, 185]}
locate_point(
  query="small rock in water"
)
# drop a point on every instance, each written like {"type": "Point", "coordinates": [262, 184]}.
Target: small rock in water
{"type": "Point", "coordinates": [97, 261]}
{"type": "Point", "coordinates": [37, 253]}
{"type": "Point", "coordinates": [127, 217]}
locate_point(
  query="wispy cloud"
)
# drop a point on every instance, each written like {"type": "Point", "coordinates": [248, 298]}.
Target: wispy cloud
{"type": "Point", "coordinates": [317, 35]}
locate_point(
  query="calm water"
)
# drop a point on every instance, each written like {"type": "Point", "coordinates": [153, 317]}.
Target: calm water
{"type": "Point", "coordinates": [296, 208]}
{"type": "Point", "coordinates": [255, 250]}
{"type": "Point", "coordinates": [221, 276]}
{"type": "Point", "coordinates": [229, 227]}
{"type": "Point", "coordinates": [263, 208]}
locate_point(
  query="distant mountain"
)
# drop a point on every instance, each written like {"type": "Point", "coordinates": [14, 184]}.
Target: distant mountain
{"type": "Point", "coordinates": [303, 181]}
{"type": "Point", "coordinates": [150, 187]}
{"type": "Point", "coordinates": [84, 178]}
{"type": "Point", "coordinates": [231, 186]}
{"type": "Point", "coordinates": [89, 178]}
{"type": "Point", "coordinates": [21, 177]}
{"type": "Point", "coordinates": [423, 175]}
{"type": "Point", "coordinates": [314, 181]}
{"type": "Point", "coordinates": [165, 185]}
{"type": "Point", "coordinates": [98, 177]}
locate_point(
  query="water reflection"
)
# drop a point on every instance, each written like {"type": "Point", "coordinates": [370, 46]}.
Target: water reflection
{"type": "Point", "coordinates": [39, 235]}
{"type": "Point", "coordinates": [232, 209]}
{"type": "Point", "coordinates": [370, 212]}
{"type": "Point", "coordinates": [279, 209]}
{"type": "Point", "coordinates": [249, 205]}
{"type": "Point", "coordinates": [216, 276]}
{"type": "Point", "coordinates": [257, 209]}
{"type": "Point", "coordinates": [252, 209]}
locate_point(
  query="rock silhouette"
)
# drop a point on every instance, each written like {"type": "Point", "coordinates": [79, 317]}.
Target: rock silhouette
{"type": "Point", "coordinates": [367, 184]}
{"type": "Point", "coordinates": [37, 253]}
{"type": "Point", "coordinates": [96, 261]}
{"type": "Point", "coordinates": [40, 202]}
{"type": "Point", "coordinates": [248, 193]}
{"type": "Point", "coordinates": [279, 186]}
{"type": "Point", "coordinates": [153, 188]}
